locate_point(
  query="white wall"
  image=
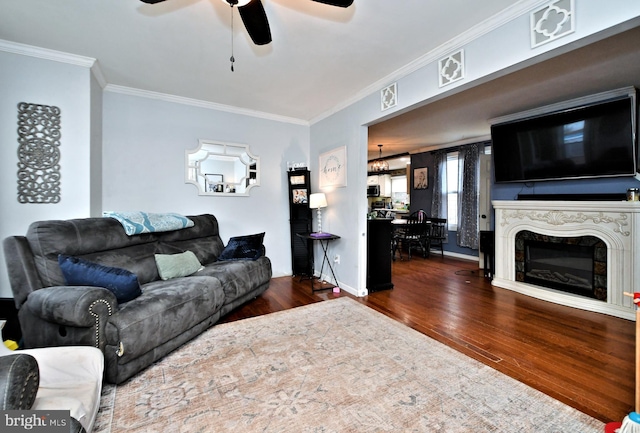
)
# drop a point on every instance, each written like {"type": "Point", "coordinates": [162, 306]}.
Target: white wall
{"type": "Point", "coordinates": [144, 166]}
{"type": "Point", "coordinates": [45, 82]}
{"type": "Point", "coordinates": [493, 51]}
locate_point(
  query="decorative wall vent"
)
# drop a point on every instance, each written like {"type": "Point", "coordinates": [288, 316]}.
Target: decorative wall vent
{"type": "Point", "coordinates": [38, 153]}
{"type": "Point", "coordinates": [552, 21]}
{"type": "Point", "coordinates": [451, 68]}
{"type": "Point", "coordinates": [389, 97]}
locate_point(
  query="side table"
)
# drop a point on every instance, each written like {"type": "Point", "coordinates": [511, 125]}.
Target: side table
{"type": "Point", "coordinates": [323, 239]}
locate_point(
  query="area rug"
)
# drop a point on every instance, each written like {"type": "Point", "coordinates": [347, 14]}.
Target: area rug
{"type": "Point", "coordinates": [333, 366]}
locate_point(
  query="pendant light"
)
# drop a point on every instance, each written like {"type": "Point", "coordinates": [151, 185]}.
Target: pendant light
{"type": "Point", "coordinates": [380, 164]}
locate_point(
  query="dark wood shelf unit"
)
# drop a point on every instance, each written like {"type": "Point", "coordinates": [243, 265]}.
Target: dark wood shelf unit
{"type": "Point", "coordinates": [300, 221]}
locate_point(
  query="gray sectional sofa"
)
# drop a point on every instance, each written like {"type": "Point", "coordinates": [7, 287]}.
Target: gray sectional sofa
{"type": "Point", "coordinates": [143, 327]}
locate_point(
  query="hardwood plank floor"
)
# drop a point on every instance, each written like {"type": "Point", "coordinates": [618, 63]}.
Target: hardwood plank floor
{"type": "Point", "coordinates": [583, 359]}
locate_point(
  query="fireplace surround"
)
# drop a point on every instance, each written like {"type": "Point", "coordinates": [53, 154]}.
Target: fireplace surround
{"type": "Point", "coordinates": [612, 223]}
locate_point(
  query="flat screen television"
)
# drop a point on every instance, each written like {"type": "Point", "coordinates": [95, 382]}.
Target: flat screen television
{"type": "Point", "coordinates": [596, 139]}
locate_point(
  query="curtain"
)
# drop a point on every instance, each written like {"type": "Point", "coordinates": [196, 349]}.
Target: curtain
{"type": "Point", "coordinates": [468, 195]}
{"type": "Point", "coordinates": [439, 198]}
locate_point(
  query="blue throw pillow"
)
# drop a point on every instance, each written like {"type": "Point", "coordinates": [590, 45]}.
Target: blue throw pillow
{"type": "Point", "coordinates": [79, 272]}
{"type": "Point", "coordinates": [243, 248]}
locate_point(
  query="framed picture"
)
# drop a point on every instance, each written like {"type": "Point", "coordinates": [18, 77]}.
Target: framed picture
{"type": "Point", "coordinates": [297, 180]}
{"type": "Point", "coordinates": [333, 168]}
{"type": "Point", "coordinates": [421, 178]}
{"type": "Point", "coordinates": [299, 196]}
{"type": "Point", "coordinates": [211, 181]}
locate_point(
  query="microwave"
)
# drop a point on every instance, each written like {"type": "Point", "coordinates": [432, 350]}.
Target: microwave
{"type": "Point", "coordinates": [373, 190]}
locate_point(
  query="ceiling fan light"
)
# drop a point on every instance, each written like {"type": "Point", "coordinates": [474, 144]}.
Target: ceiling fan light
{"type": "Point", "coordinates": [238, 3]}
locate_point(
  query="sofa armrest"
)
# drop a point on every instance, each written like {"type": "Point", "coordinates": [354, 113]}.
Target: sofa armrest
{"type": "Point", "coordinates": [67, 315]}
{"type": "Point", "coordinates": [19, 380]}
{"type": "Point", "coordinates": [79, 306]}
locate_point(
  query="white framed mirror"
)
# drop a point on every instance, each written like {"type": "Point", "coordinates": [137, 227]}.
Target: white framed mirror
{"type": "Point", "coordinates": [222, 169]}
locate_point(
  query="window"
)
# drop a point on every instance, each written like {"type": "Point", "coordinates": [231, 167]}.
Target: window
{"type": "Point", "coordinates": [452, 190]}
{"type": "Point", "coordinates": [399, 196]}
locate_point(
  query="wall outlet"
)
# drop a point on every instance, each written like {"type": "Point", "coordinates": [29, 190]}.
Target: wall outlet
{"type": "Point", "coordinates": [336, 259]}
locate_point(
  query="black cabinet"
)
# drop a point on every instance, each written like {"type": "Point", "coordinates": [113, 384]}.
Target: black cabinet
{"type": "Point", "coordinates": [487, 246]}
{"type": "Point", "coordinates": [379, 234]}
{"type": "Point", "coordinates": [300, 222]}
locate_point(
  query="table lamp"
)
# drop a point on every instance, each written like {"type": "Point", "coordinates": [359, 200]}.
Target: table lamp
{"type": "Point", "coordinates": [318, 201]}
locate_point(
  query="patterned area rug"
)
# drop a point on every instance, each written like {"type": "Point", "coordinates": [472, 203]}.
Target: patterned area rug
{"type": "Point", "coordinates": [334, 366]}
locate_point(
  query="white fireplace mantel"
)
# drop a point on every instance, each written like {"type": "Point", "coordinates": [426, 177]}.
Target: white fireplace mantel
{"type": "Point", "coordinates": [614, 222]}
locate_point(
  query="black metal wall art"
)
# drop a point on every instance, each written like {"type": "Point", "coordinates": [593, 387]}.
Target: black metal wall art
{"type": "Point", "coordinates": [38, 153]}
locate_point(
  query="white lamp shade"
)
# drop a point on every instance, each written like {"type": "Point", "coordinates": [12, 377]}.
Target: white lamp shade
{"type": "Point", "coordinates": [240, 2]}
{"type": "Point", "coordinates": [317, 200]}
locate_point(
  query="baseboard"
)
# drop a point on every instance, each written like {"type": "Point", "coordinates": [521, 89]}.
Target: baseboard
{"type": "Point", "coordinates": [457, 255]}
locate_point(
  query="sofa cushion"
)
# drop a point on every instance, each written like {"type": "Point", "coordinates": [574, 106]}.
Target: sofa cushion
{"type": "Point", "coordinates": [177, 265]}
{"type": "Point", "coordinates": [79, 238]}
{"type": "Point", "coordinates": [137, 259]}
{"type": "Point", "coordinates": [239, 277]}
{"type": "Point", "coordinates": [247, 247]}
{"type": "Point", "coordinates": [79, 272]}
{"type": "Point", "coordinates": [206, 249]}
{"type": "Point", "coordinates": [165, 310]}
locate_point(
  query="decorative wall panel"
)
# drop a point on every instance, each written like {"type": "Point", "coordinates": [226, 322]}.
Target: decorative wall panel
{"type": "Point", "coordinates": [552, 21]}
{"type": "Point", "coordinates": [389, 97]}
{"type": "Point", "coordinates": [38, 153]}
{"type": "Point", "coordinates": [451, 68]}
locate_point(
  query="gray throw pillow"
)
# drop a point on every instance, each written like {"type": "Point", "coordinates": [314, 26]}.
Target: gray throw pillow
{"type": "Point", "coordinates": [177, 265]}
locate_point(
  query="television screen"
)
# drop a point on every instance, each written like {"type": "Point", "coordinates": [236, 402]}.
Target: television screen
{"type": "Point", "coordinates": [596, 140]}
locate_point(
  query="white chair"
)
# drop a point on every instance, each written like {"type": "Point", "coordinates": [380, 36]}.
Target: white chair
{"type": "Point", "coordinates": [70, 379]}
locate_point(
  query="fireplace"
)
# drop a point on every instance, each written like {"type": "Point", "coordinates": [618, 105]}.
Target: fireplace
{"type": "Point", "coordinates": [576, 265]}
{"type": "Point", "coordinates": [583, 254]}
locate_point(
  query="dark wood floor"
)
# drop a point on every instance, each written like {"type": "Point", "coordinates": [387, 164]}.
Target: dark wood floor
{"type": "Point", "coordinates": [583, 359]}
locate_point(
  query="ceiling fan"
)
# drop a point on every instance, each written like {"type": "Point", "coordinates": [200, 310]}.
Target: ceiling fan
{"type": "Point", "coordinates": [255, 18]}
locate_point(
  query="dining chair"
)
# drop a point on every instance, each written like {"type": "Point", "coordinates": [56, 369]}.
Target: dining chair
{"type": "Point", "coordinates": [437, 233]}
{"type": "Point", "coordinates": [414, 234]}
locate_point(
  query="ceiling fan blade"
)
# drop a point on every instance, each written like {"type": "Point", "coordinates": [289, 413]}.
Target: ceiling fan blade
{"type": "Point", "coordinates": [339, 3]}
{"type": "Point", "coordinates": [255, 21]}
{"type": "Point", "coordinates": [152, 2]}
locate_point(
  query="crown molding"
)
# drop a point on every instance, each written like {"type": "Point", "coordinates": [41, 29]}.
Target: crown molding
{"type": "Point", "coordinates": [56, 56]}
{"type": "Point", "coordinates": [46, 54]}
{"type": "Point", "coordinates": [503, 17]}
{"type": "Point", "coordinates": [94, 66]}
{"type": "Point", "coordinates": [202, 104]}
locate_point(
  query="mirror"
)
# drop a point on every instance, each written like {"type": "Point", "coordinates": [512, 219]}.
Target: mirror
{"type": "Point", "coordinates": [222, 168]}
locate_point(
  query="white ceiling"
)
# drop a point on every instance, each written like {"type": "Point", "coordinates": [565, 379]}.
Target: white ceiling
{"type": "Point", "coordinates": [321, 57]}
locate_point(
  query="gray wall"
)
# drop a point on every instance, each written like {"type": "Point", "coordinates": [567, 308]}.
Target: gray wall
{"type": "Point", "coordinates": [144, 166]}
{"type": "Point", "coordinates": [45, 82]}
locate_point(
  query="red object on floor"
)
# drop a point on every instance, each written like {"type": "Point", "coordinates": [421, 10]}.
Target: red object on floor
{"type": "Point", "coordinates": [612, 427]}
